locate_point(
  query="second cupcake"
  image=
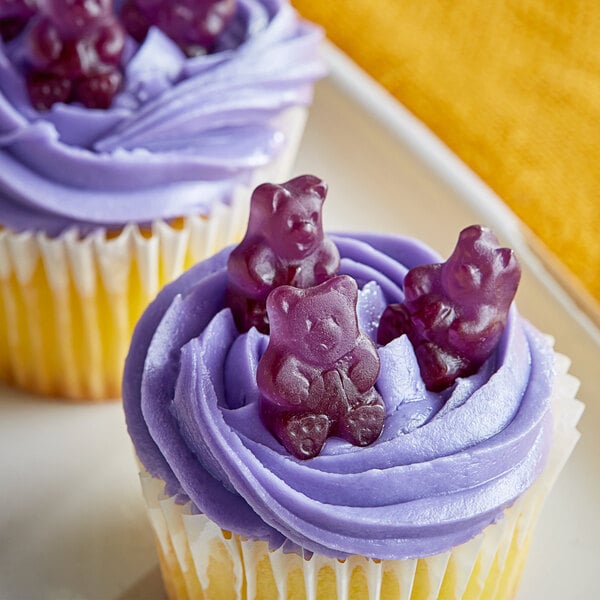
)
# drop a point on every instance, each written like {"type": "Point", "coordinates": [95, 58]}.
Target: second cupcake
{"type": "Point", "coordinates": [129, 144]}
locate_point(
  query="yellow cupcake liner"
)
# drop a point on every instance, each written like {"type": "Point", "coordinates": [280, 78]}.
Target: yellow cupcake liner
{"type": "Point", "coordinates": [68, 305]}
{"type": "Point", "coordinates": [200, 561]}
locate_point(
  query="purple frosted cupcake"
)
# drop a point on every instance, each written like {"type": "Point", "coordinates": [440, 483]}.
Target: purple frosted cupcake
{"type": "Point", "coordinates": [344, 416]}
{"type": "Point", "coordinates": [126, 156]}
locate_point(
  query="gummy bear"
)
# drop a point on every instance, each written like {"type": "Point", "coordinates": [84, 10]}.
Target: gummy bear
{"type": "Point", "coordinates": [317, 374]}
{"type": "Point", "coordinates": [454, 313]}
{"type": "Point", "coordinates": [14, 16]}
{"type": "Point", "coordinates": [74, 53]}
{"type": "Point", "coordinates": [194, 25]}
{"type": "Point", "coordinates": [284, 245]}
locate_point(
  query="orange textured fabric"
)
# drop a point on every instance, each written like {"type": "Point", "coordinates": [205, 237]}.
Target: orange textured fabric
{"type": "Point", "coordinates": [511, 86]}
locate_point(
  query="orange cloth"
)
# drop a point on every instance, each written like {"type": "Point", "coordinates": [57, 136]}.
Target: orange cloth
{"type": "Point", "coordinates": [512, 87]}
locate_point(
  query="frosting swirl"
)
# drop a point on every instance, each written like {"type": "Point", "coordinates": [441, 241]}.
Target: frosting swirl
{"type": "Point", "coordinates": [446, 465]}
{"type": "Point", "coordinates": [181, 134]}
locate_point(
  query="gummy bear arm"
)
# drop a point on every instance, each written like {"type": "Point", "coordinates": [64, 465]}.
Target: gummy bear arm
{"type": "Point", "coordinates": [43, 62]}
{"type": "Point", "coordinates": [479, 335]}
{"type": "Point", "coordinates": [421, 281]}
{"type": "Point", "coordinates": [253, 269]}
{"type": "Point", "coordinates": [289, 383]}
{"type": "Point", "coordinates": [364, 366]}
{"type": "Point", "coordinates": [327, 263]}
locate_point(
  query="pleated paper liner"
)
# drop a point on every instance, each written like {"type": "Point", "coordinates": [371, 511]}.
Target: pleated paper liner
{"type": "Point", "coordinates": [200, 561]}
{"type": "Point", "coordinates": [68, 305]}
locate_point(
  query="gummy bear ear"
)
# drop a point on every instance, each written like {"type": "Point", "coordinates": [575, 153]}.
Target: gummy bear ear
{"type": "Point", "coordinates": [319, 188]}
{"type": "Point", "coordinates": [280, 196]}
{"type": "Point", "coordinates": [504, 255]}
{"type": "Point", "coordinates": [267, 197]}
{"type": "Point", "coordinates": [471, 235]}
{"type": "Point", "coordinates": [307, 184]}
{"type": "Point", "coordinates": [281, 300]}
{"type": "Point", "coordinates": [346, 286]}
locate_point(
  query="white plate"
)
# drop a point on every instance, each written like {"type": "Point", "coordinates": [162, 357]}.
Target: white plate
{"type": "Point", "coordinates": [72, 522]}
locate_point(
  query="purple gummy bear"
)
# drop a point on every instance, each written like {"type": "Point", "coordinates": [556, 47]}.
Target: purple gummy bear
{"type": "Point", "coordinates": [74, 50]}
{"type": "Point", "coordinates": [194, 25]}
{"type": "Point", "coordinates": [454, 313]}
{"type": "Point", "coordinates": [317, 374]}
{"type": "Point", "coordinates": [284, 245]}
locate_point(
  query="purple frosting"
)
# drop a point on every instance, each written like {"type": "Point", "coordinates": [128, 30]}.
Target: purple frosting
{"type": "Point", "coordinates": [182, 134]}
{"type": "Point", "coordinates": [446, 465]}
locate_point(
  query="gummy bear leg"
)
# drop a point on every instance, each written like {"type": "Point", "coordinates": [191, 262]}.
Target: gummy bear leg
{"type": "Point", "coordinates": [439, 368]}
{"type": "Point", "coordinates": [393, 323]}
{"type": "Point", "coordinates": [304, 435]}
{"type": "Point", "coordinates": [361, 426]}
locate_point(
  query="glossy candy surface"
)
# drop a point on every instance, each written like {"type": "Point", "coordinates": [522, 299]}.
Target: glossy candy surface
{"type": "Point", "coordinates": [74, 49]}
{"type": "Point", "coordinates": [317, 374]}
{"type": "Point", "coordinates": [193, 24]}
{"type": "Point", "coordinates": [454, 313]}
{"type": "Point", "coordinates": [284, 245]}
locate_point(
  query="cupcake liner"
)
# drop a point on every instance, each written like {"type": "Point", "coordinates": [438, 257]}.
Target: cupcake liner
{"type": "Point", "coordinates": [200, 560]}
{"type": "Point", "coordinates": [68, 305]}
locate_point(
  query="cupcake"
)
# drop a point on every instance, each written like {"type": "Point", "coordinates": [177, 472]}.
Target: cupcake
{"type": "Point", "coordinates": [344, 416]}
{"type": "Point", "coordinates": [130, 139]}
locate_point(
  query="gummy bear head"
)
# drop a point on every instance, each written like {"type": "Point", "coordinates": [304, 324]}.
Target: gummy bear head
{"type": "Point", "coordinates": [76, 16]}
{"type": "Point", "coordinates": [317, 325]}
{"type": "Point", "coordinates": [479, 271]}
{"type": "Point", "coordinates": [196, 21]}
{"type": "Point", "coordinates": [289, 215]}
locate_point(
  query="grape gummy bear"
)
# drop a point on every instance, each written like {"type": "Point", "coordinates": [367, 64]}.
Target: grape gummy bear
{"type": "Point", "coordinates": [454, 313]}
{"type": "Point", "coordinates": [284, 245]}
{"type": "Point", "coordinates": [194, 25]}
{"type": "Point", "coordinates": [317, 374]}
{"type": "Point", "coordinates": [74, 50]}
{"type": "Point", "coordinates": [14, 16]}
